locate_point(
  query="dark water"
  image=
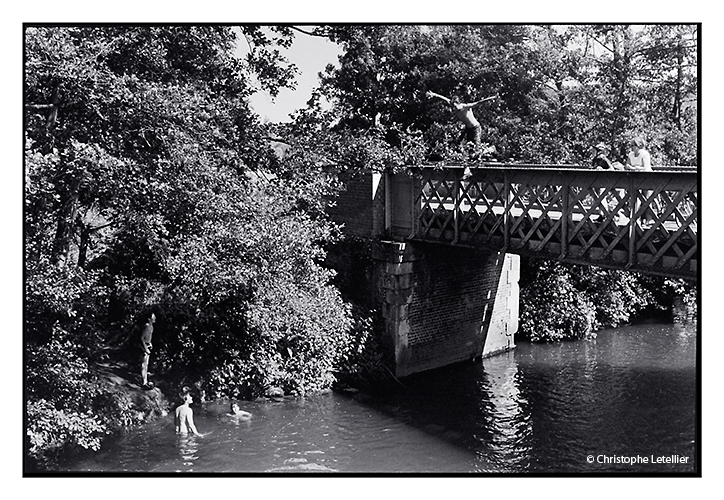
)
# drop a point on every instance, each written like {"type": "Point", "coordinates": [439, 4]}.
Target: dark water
{"type": "Point", "coordinates": [629, 395]}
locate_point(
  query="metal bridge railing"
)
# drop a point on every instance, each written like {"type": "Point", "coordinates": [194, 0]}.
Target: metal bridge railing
{"type": "Point", "coordinates": [645, 221]}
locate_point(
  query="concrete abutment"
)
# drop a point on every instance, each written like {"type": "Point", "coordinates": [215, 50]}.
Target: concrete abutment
{"type": "Point", "coordinates": [442, 305]}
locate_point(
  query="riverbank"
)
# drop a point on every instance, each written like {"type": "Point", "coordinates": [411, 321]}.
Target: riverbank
{"type": "Point", "coordinates": [129, 406]}
{"type": "Point", "coordinates": [539, 409]}
{"type": "Point", "coordinates": [119, 405]}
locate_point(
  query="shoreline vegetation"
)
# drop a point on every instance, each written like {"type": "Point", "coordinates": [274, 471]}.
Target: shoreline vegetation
{"type": "Point", "coordinates": [560, 298]}
{"type": "Point", "coordinates": [151, 187]}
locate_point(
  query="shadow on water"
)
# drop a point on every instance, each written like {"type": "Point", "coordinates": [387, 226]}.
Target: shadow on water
{"type": "Point", "coordinates": [475, 407]}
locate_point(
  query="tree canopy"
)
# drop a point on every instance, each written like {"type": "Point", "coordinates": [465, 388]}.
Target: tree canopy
{"type": "Point", "coordinates": [560, 89]}
{"type": "Point", "coordinates": [151, 185]}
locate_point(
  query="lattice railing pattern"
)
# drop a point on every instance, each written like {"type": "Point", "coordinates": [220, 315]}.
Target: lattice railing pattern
{"type": "Point", "coordinates": [645, 221]}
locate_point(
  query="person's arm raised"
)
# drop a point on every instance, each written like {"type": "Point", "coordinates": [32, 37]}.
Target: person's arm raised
{"type": "Point", "coordinates": [489, 98]}
{"type": "Point", "coordinates": [430, 94]}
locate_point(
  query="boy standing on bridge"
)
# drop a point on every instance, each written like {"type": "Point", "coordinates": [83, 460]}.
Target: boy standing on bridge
{"type": "Point", "coordinates": [464, 113]}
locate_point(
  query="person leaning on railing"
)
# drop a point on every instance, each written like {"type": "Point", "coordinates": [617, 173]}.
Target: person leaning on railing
{"type": "Point", "coordinates": [601, 161]}
{"type": "Point", "coordinates": [639, 160]}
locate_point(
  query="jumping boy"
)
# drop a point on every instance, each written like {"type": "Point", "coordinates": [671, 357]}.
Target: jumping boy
{"type": "Point", "coordinates": [464, 113]}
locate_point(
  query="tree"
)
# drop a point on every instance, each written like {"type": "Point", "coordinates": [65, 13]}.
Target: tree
{"type": "Point", "coordinates": [151, 184]}
{"type": "Point", "coordinates": [642, 80]}
{"type": "Point", "coordinates": [561, 88]}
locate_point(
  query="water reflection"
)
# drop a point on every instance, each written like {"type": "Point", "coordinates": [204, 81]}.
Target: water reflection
{"type": "Point", "coordinates": [540, 408]}
{"type": "Point", "coordinates": [188, 448]}
{"type": "Point", "coordinates": [507, 422]}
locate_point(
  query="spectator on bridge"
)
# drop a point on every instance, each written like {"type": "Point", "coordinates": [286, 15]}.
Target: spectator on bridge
{"type": "Point", "coordinates": [639, 160]}
{"type": "Point", "coordinates": [600, 160]}
{"type": "Point", "coordinates": [464, 112]}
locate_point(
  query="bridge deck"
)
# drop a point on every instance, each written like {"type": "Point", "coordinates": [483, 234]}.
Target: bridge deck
{"type": "Point", "coordinates": [571, 214]}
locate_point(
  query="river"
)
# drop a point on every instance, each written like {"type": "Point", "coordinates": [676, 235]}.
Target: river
{"type": "Point", "coordinates": [624, 402]}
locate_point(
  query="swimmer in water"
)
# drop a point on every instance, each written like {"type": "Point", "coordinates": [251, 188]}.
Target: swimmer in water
{"type": "Point", "coordinates": [185, 416]}
{"type": "Point", "coordinates": [238, 413]}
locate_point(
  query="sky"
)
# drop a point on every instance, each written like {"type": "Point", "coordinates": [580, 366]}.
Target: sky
{"type": "Point", "coordinates": [311, 55]}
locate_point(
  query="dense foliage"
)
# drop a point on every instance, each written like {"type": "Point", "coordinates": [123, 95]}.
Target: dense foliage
{"type": "Point", "coordinates": [560, 89]}
{"type": "Point", "coordinates": [564, 301]}
{"type": "Point", "coordinates": [150, 185]}
{"type": "Point", "coordinates": [559, 301]}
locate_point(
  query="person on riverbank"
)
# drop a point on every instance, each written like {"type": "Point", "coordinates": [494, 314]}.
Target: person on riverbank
{"type": "Point", "coordinates": [184, 418]}
{"type": "Point", "coordinates": [146, 346]}
{"type": "Point", "coordinates": [464, 112]}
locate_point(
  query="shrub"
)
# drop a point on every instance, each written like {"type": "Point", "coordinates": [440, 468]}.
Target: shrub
{"type": "Point", "coordinates": [618, 296]}
{"type": "Point", "coordinates": [55, 372]}
{"type": "Point", "coordinates": [551, 308]}
{"type": "Point", "coordinates": [69, 405]}
{"type": "Point", "coordinates": [240, 377]}
{"type": "Point", "coordinates": [560, 301]}
{"type": "Point", "coordinates": [51, 429]}
{"type": "Point", "coordinates": [362, 362]}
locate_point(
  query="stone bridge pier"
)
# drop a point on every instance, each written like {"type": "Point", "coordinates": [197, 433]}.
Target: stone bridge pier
{"type": "Point", "coordinates": [442, 305]}
{"type": "Point", "coordinates": [437, 304]}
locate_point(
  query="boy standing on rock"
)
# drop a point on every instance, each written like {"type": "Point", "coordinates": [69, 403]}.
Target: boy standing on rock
{"type": "Point", "coordinates": [146, 345]}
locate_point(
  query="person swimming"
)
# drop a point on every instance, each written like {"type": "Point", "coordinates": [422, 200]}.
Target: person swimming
{"type": "Point", "coordinates": [238, 413]}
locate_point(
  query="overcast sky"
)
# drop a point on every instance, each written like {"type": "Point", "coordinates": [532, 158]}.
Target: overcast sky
{"type": "Point", "coordinates": [311, 55]}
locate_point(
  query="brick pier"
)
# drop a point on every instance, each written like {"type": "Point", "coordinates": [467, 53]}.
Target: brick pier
{"type": "Point", "coordinates": [443, 305]}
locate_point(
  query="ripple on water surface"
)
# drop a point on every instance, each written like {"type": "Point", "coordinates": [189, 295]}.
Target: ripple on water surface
{"type": "Point", "coordinates": [540, 408]}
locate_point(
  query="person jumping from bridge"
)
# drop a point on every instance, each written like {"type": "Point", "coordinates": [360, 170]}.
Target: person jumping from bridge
{"type": "Point", "coordinates": [464, 113]}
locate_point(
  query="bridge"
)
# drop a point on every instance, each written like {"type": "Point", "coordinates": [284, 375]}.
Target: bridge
{"type": "Point", "coordinates": [577, 215]}
{"type": "Point", "coordinates": [446, 242]}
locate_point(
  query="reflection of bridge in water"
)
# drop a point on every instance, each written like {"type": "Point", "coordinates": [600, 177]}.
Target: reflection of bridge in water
{"type": "Point", "coordinates": [572, 214]}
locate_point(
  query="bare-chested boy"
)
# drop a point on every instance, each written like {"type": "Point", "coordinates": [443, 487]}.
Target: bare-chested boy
{"type": "Point", "coordinates": [185, 416]}
{"type": "Point", "coordinates": [146, 336]}
{"type": "Point", "coordinates": [464, 113]}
